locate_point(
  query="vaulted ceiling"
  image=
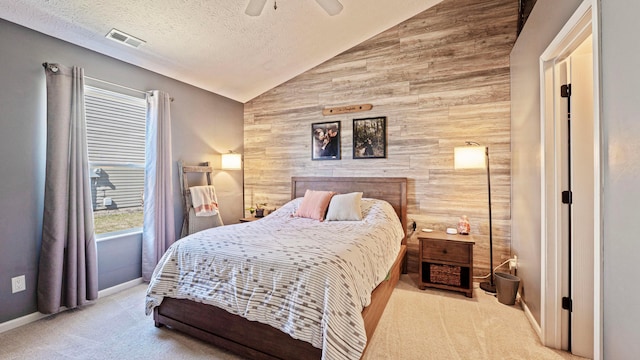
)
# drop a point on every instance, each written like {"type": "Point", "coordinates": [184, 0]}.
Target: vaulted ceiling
{"type": "Point", "coordinates": [213, 44]}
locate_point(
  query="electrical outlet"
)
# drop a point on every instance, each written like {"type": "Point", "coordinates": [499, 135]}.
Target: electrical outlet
{"type": "Point", "coordinates": [18, 284]}
{"type": "Point", "coordinates": [513, 263]}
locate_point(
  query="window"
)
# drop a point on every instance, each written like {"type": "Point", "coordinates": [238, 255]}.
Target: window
{"type": "Point", "coordinates": [116, 144]}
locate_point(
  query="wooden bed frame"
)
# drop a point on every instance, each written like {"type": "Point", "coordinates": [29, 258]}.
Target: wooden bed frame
{"type": "Point", "coordinates": [255, 340]}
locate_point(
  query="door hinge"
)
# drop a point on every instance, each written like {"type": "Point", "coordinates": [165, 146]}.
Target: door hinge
{"type": "Point", "coordinates": [567, 197]}
{"type": "Point", "coordinates": [565, 90]}
{"type": "Point", "coordinates": [567, 304]}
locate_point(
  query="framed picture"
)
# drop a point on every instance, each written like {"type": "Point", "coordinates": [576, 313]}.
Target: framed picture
{"type": "Point", "coordinates": [325, 141]}
{"type": "Point", "coordinates": [370, 138]}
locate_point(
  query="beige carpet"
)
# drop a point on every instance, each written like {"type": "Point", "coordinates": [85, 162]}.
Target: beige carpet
{"type": "Point", "coordinates": [416, 324]}
{"type": "Point", "coordinates": [435, 324]}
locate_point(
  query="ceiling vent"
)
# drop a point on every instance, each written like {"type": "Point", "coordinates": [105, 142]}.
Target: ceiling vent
{"type": "Point", "coordinates": [124, 38]}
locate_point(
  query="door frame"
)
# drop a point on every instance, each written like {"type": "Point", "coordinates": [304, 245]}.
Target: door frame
{"type": "Point", "coordinates": [583, 22]}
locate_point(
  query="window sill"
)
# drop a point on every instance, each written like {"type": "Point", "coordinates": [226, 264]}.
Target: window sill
{"type": "Point", "coordinates": [118, 234]}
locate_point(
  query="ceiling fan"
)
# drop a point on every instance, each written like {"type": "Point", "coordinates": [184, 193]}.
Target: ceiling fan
{"type": "Point", "coordinates": [332, 7]}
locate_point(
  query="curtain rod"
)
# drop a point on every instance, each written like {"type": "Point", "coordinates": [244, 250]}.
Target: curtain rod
{"type": "Point", "coordinates": [150, 93]}
{"type": "Point", "coordinates": [117, 85]}
{"type": "Point", "coordinates": [46, 65]}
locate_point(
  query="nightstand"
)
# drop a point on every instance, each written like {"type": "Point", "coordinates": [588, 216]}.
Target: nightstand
{"type": "Point", "coordinates": [446, 261]}
{"type": "Point", "coordinates": [249, 219]}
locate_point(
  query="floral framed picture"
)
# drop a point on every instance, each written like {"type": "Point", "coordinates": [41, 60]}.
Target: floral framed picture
{"type": "Point", "coordinates": [325, 141]}
{"type": "Point", "coordinates": [370, 138]}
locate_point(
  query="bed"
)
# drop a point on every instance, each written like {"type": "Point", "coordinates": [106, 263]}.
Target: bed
{"type": "Point", "coordinates": [254, 335]}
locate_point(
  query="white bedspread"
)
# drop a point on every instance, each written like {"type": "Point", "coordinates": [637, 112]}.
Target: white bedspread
{"type": "Point", "coordinates": [309, 279]}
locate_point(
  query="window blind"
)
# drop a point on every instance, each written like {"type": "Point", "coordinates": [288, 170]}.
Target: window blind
{"type": "Point", "coordinates": [115, 127]}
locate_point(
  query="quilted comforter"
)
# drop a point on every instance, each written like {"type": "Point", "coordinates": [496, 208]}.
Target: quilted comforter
{"type": "Point", "coordinates": [307, 278]}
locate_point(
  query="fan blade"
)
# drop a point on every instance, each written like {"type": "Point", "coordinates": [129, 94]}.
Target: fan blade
{"type": "Point", "coordinates": [254, 8]}
{"type": "Point", "coordinates": [332, 7]}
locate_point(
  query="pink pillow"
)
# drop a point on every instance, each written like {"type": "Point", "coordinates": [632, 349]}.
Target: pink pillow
{"type": "Point", "coordinates": [314, 204]}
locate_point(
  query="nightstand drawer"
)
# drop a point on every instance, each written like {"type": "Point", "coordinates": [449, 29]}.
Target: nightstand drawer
{"type": "Point", "coordinates": [447, 251]}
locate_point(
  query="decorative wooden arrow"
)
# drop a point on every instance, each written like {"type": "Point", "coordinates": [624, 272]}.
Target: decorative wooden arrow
{"type": "Point", "coordinates": [346, 109]}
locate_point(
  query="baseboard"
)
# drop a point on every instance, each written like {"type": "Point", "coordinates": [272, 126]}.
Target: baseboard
{"type": "Point", "coordinates": [120, 287]}
{"type": "Point", "coordinates": [532, 320]}
{"type": "Point", "coordinates": [24, 320]}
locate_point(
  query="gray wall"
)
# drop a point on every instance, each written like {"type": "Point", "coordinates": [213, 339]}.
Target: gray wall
{"type": "Point", "coordinates": [543, 24]}
{"type": "Point", "coordinates": [621, 139]}
{"type": "Point", "coordinates": [119, 260]}
{"type": "Point", "coordinates": [204, 125]}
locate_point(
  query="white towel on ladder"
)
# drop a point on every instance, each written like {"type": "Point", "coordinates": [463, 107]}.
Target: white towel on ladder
{"type": "Point", "coordinates": [204, 200]}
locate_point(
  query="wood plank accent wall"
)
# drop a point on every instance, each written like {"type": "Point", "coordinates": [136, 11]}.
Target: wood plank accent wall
{"type": "Point", "coordinates": [441, 78]}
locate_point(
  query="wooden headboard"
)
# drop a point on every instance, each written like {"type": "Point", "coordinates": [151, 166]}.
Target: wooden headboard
{"type": "Point", "coordinates": [391, 189]}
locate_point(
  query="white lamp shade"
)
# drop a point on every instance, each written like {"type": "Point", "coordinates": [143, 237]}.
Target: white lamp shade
{"type": "Point", "coordinates": [231, 161]}
{"type": "Point", "coordinates": [470, 157]}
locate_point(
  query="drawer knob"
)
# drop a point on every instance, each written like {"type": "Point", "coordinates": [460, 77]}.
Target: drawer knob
{"type": "Point", "coordinates": [444, 251]}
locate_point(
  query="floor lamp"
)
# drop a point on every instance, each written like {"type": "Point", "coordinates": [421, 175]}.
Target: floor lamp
{"type": "Point", "coordinates": [474, 156]}
{"type": "Point", "coordinates": [233, 161]}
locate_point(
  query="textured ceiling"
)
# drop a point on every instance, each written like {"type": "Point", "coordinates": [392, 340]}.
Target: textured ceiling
{"type": "Point", "coordinates": [212, 44]}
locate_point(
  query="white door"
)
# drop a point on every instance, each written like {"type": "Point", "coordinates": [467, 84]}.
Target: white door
{"type": "Point", "coordinates": [576, 153]}
{"type": "Point", "coordinates": [582, 150]}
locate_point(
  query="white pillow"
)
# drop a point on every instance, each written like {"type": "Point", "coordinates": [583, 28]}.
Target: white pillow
{"type": "Point", "coordinates": [345, 207]}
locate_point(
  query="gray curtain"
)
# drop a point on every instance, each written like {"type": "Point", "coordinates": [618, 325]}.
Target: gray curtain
{"type": "Point", "coordinates": [158, 230]}
{"type": "Point", "coordinates": [68, 272]}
